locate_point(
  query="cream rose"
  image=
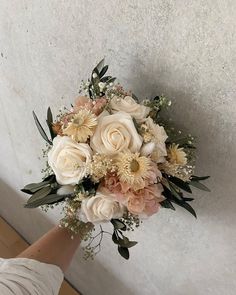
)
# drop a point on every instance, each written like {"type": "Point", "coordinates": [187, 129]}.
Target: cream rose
{"type": "Point", "coordinates": [101, 207]}
{"type": "Point", "coordinates": [130, 106]}
{"type": "Point", "coordinates": [115, 133]}
{"type": "Point", "coordinates": [69, 160]}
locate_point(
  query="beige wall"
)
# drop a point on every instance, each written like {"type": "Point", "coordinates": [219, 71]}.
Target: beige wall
{"type": "Point", "coordinates": [184, 49]}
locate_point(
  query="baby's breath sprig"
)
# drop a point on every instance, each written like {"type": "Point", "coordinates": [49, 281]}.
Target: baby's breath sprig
{"type": "Point", "coordinates": [131, 221]}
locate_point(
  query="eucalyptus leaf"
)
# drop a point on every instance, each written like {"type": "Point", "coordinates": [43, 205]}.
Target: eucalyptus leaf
{"type": "Point", "coordinates": [124, 252]}
{"type": "Point", "coordinates": [129, 244]}
{"type": "Point", "coordinates": [199, 185]}
{"type": "Point", "coordinates": [118, 224]}
{"type": "Point", "coordinates": [40, 129]}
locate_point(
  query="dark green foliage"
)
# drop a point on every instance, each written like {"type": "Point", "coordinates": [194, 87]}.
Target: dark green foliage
{"type": "Point", "coordinates": [41, 130]}
{"type": "Point", "coordinates": [119, 239]}
{"type": "Point", "coordinates": [50, 122]}
{"type": "Point", "coordinates": [43, 193]}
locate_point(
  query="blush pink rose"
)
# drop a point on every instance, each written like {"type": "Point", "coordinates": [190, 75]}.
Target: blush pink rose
{"type": "Point", "coordinates": [99, 105]}
{"type": "Point", "coordinates": [145, 201]}
{"type": "Point", "coordinates": [95, 106]}
{"type": "Point", "coordinates": [83, 102]}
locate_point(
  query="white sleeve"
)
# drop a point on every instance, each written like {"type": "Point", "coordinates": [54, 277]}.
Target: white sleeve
{"type": "Point", "coordinates": [22, 276]}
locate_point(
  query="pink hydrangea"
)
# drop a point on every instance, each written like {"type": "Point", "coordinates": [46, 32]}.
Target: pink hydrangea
{"type": "Point", "coordinates": [145, 201]}
{"type": "Point", "coordinates": [115, 186]}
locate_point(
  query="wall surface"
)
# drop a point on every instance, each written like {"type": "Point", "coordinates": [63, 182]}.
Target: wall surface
{"type": "Point", "coordinates": [184, 49]}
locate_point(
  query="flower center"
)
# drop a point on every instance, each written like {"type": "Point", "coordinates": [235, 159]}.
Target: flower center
{"type": "Point", "coordinates": [134, 165]}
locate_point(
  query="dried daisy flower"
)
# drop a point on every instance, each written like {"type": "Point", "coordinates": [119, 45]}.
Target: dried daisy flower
{"type": "Point", "coordinates": [176, 155]}
{"type": "Point", "coordinates": [133, 169]}
{"type": "Point", "coordinates": [81, 125]}
{"type": "Point", "coordinates": [100, 165]}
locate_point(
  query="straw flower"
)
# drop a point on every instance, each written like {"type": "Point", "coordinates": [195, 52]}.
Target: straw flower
{"type": "Point", "coordinates": [133, 169]}
{"type": "Point", "coordinates": [176, 155]}
{"type": "Point", "coordinates": [81, 125]}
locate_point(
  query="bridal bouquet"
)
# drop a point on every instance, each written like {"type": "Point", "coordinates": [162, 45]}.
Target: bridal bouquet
{"type": "Point", "coordinates": [113, 158]}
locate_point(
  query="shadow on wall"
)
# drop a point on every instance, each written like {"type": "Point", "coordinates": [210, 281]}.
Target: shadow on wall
{"type": "Point", "coordinates": [33, 223]}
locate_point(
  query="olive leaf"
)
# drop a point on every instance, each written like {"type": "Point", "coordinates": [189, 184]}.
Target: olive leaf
{"type": "Point", "coordinates": [40, 194]}
{"type": "Point", "coordinates": [199, 185]}
{"type": "Point", "coordinates": [103, 71]}
{"type": "Point", "coordinates": [49, 199]}
{"type": "Point", "coordinates": [40, 129]}
{"type": "Point", "coordinates": [180, 183]}
{"type": "Point", "coordinates": [50, 122]}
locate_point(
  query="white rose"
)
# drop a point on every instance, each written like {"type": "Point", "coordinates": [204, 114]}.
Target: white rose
{"type": "Point", "coordinates": [101, 207]}
{"type": "Point", "coordinates": [115, 133]}
{"type": "Point", "coordinates": [69, 160]}
{"type": "Point", "coordinates": [130, 106]}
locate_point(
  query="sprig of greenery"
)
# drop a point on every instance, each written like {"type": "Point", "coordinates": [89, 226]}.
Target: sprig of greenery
{"type": "Point", "coordinates": [173, 187]}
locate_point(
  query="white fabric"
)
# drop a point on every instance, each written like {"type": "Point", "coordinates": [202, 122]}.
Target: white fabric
{"type": "Point", "coordinates": [21, 276]}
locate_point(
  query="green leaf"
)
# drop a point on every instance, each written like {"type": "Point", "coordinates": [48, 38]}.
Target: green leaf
{"type": "Point", "coordinates": [176, 194]}
{"type": "Point", "coordinates": [115, 238]}
{"type": "Point", "coordinates": [129, 244]}
{"type": "Point", "coordinates": [100, 65]}
{"type": "Point", "coordinates": [124, 252]}
{"type": "Point", "coordinates": [118, 224]}
{"type": "Point", "coordinates": [188, 199]}
{"type": "Point", "coordinates": [189, 208]}
{"type": "Point", "coordinates": [51, 178]}
{"type": "Point", "coordinates": [111, 80]}
{"type": "Point", "coordinates": [197, 178]}
{"type": "Point", "coordinates": [49, 199]}
{"type": "Point", "coordinates": [33, 187]}
{"type": "Point", "coordinates": [106, 78]}
{"type": "Point", "coordinates": [125, 242]}
{"type": "Point", "coordinates": [199, 185]}
{"type": "Point", "coordinates": [180, 202]}
{"type": "Point", "coordinates": [180, 183]}
{"type": "Point", "coordinates": [40, 194]}
{"type": "Point", "coordinates": [103, 71]}
{"type": "Point", "coordinates": [167, 204]}
{"type": "Point", "coordinates": [50, 122]}
{"type": "Point", "coordinates": [40, 129]}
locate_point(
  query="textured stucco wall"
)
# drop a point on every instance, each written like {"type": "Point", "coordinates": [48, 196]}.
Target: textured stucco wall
{"type": "Point", "coordinates": [185, 49]}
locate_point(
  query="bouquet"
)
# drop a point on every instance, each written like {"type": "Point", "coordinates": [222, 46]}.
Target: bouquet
{"type": "Point", "coordinates": [112, 158]}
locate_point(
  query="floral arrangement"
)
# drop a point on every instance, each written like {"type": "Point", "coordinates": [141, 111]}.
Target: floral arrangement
{"type": "Point", "coordinates": [113, 158]}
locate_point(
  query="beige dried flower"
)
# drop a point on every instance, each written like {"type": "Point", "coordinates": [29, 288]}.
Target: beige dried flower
{"type": "Point", "coordinates": [81, 125]}
{"type": "Point", "coordinates": [176, 155]}
{"type": "Point", "coordinates": [133, 169]}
